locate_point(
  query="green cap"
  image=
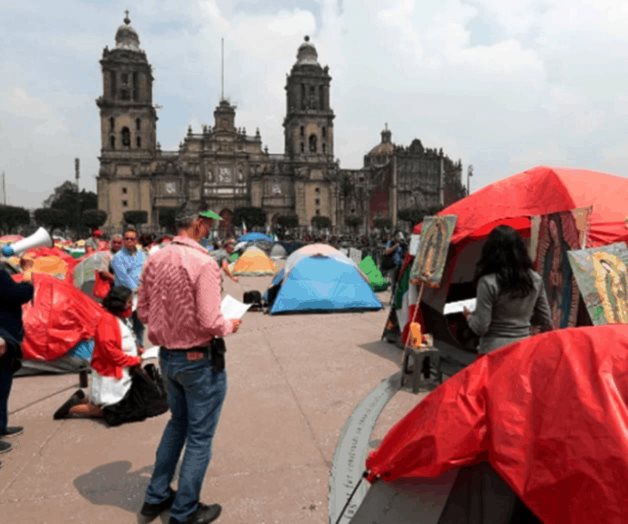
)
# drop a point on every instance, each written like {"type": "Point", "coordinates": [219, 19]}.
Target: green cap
{"type": "Point", "coordinates": [210, 214]}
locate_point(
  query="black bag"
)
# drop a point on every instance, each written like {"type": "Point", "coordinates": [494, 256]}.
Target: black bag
{"type": "Point", "coordinates": [146, 398]}
{"type": "Point", "coordinates": [254, 298]}
{"type": "Point", "coordinates": [218, 348]}
{"type": "Point", "coordinates": [387, 263]}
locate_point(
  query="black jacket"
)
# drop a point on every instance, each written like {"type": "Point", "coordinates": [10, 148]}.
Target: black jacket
{"type": "Point", "coordinates": [12, 296]}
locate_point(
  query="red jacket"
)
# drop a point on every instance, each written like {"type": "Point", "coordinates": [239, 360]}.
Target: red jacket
{"type": "Point", "coordinates": [108, 358]}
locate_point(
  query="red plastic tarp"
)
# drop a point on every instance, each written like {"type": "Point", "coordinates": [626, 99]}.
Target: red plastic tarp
{"type": "Point", "coordinates": [58, 318]}
{"type": "Point", "coordinates": [540, 191]}
{"type": "Point", "coordinates": [549, 414]}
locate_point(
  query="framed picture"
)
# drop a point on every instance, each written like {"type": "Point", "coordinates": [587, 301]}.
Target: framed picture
{"type": "Point", "coordinates": [603, 282]}
{"type": "Point", "coordinates": [429, 263]}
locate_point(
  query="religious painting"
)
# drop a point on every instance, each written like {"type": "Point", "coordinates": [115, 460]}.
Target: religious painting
{"type": "Point", "coordinates": [429, 264]}
{"type": "Point", "coordinates": [602, 277]}
{"type": "Point", "coordinates": [558, 233]}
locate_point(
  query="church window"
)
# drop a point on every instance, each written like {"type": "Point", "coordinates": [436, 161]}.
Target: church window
{"type": "Point", "coordinates": [112, 123]}
{"type": "Point", "coordinates": [138, 141]}
{"type": "Point", "coordinates": [303, 106]}
{"type": "Point", "coordinates": [312, 97]}
{"type": "Point", "coordinates": [317, 190]}
{"type": "Point", "coordinates": [302, 147]}
{"type": "Point", "coordinates": [138, 124]}
{"type": "Point", "coordinates": [112, 82]}
{"type": "Point", "coordinates": [125, 78]}
{"type": "Point", "coordinates": [312, 143]}
{"type": "Point", "coordinates": [324, 132]}
{"type": "Point", "coordinates": [318, 212]}
{"type": "Point", "coordinates": [324, 146]}
{"type": "Point", "coordinates": [112, 142]}
{"type": "Point", "coordinates": [124, 190]}
{"type": "Point", "coordinates": [302, 131]}
{"type": "Point", "coordinates": [317, 201]}
{"type": "Point", "coordinates": [135, 87]}
{"type": "Point", "coordinates": [124, 94]}
{"type": "Point", "coordinates": [126, 137]}
{"type": "Point", "coordinates": [125, 203]}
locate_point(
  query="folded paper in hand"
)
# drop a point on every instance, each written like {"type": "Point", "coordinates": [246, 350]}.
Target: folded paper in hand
{"type": "Point", "coordinates": [233, 309]}
{"type": "Point", "coordinates": [458, 307]}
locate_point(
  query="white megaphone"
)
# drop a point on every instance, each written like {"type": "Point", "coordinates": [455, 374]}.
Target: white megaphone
{"type": "Point", "coordinates": [39, 238]}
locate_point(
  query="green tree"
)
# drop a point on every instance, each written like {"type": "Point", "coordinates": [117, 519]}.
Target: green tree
{"type": "Point", "coordinates": [136, 217]}
{"type": "Point", "coordinates": [251, 216]}
{"type": "Point", "coordinates": [412, 215]}
{"type": "Point", "coordinates": [51, 218]}
{"type": "Point", "coordinates": [382, 223]}
{"type": "Point", "coordinates": [288, 221]}
{"type": "Point", "coordinates": [94, 218]}
{"type": "Point", "coordinates": [67, 198]}
{"type": "Point", "coordinates": [166, 218]}
{"type": "Point", "coordinates": [321, 222]}
{"type": "Point", "coordinates": [353, 221]}
{"type": "Point", "coordinates": [12, 217]}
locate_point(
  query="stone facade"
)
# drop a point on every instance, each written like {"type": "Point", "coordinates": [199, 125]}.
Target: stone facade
{"type": "Point", "coordinates": [223, 168]}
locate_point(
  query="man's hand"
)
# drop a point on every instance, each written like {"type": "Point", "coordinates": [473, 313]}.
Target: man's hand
{"type": "Point", "coordinates": [236, 324]}
{"type": "Point", "coordinates": [234, 278]}
{"type": "Point", "coordinates": [466, 312]}
{"type": "Point", "coordinates": [3, 347]}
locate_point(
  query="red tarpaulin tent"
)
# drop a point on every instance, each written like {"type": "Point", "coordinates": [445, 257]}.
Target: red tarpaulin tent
{"type": "Point", "coordinates": [549, 415]}
{"type": "Point", "coordinates": [540, 191]}
{"type": "Point", "coordinates": [59, 317]}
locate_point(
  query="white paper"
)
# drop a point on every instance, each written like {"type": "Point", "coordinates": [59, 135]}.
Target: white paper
{"type": "Point", "coordinates": [458, 307]}
{"type": "Point", "coordinates": [233, 309]}
{"type": "Point", "coordinates": [151, 353]}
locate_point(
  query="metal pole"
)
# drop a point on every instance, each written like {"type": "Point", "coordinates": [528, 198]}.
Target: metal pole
{"type": "Point", "coordinates": [394, 192]}
{"type": "Point", "coordinates": [222, 69]}
{"type": "Point", "coordinates": [4, 188]}
{"type": "Point", "coordinates": [469, 175]}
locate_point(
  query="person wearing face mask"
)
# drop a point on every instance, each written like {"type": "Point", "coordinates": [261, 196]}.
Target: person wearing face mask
{"type": "Point", "coordinates": [115, 352]}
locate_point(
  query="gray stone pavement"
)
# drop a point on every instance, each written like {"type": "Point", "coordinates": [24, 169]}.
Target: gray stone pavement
{"type": "Point", "coordinates": [293, 382]}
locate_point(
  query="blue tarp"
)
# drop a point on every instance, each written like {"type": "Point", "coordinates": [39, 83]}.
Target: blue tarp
{"type": "Point", "coordinates": [321, 283]}
{"type": "Point", "coordinates": [253, 237]}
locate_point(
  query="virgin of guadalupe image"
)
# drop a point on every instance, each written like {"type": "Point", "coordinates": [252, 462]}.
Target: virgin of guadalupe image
{"type": "Point", "coordinates": [430, 261]}
{"type": "Point", "coordinates": [611, 283]}
{"type": "Point", "coordinates": [558, 235]}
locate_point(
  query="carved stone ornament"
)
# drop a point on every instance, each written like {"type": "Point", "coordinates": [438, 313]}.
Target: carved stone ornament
{"type": "Point", "coordinates": [171, 188]}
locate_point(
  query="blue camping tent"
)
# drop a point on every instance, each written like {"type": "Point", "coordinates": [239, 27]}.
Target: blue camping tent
{"type": "Point", "coordinates": [322, 283]}
{"type": "Point", "coordinates": [254, 237]}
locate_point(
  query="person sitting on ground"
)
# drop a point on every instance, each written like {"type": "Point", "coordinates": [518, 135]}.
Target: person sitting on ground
{"type": "Point", "coordinates": [510, 294]}
{"type": "Point", "coordinates": [115, 352]}
{"type": "Point", "coordinates": [223, 257]}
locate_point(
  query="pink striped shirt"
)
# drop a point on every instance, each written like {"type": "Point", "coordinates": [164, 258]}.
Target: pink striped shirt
{"type": "Point", "coordinates": [179, 296]}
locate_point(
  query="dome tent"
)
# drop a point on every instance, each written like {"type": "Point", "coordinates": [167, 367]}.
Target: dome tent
{"type": "Point", "coordinates": [318, 277]}
{"type": "Point", "coordinates": [253, 262]}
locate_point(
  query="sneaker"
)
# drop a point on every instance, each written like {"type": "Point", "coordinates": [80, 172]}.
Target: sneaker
{"type": "Point", "coordinates": [153, 510]}
{"type": "Point", "coordinates": [204, 514]}
{"type": "Point", "coordinates": [4, 446]}
{"type": "Point", "coordinates": [64, 410]}
{"type": "Point", "coordinates": [12, 431]}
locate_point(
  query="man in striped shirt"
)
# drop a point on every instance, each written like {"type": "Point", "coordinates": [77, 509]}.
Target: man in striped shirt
{"type": "Point", "coordinates": [179, 299]}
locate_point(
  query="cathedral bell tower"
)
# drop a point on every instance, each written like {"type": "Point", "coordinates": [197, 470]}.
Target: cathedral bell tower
{"type": "Point", "coordinates": [308, 126]}
{"type": "Point", "coordinates": [127, 116]}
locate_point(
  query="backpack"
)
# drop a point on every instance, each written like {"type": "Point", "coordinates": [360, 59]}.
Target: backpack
{"type": "Point", "coordinates": [254, 298]}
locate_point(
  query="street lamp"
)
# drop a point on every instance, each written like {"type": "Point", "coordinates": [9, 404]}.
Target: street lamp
{"type": "Point", "coordinates": [469, 175]}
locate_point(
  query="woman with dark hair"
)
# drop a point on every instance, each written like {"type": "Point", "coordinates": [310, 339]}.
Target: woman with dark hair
{"type": "Point", "coordinates": [115, 352]}
{"type": "Point", "coordinates": [510, 294]}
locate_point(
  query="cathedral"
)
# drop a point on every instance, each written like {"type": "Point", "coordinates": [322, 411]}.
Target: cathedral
{"type": "Point", "coordinates": [223, 168]}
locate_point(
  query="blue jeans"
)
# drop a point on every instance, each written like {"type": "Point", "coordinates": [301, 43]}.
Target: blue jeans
{"type": "Point", "coordinates": [195, 397]}
{"type": "Point", "coordinates": [6, 380]}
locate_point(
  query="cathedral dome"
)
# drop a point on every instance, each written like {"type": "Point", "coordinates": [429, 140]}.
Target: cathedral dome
{"type": "Point", "coordinates": [307, 55]}
{"type": "Point", "coordinates": [126, 36]}
{"type": "Point", "coordinates": [385, 147]}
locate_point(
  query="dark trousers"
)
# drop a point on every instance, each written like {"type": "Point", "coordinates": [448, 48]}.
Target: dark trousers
{"type": "Point", "coordinates": [6, 380]}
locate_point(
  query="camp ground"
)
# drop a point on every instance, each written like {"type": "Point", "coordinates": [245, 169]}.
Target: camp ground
{"type": "Point", "coordinates": [510, 452]}
{"type": "Point", "coordinates": [253, 261]}
{"type": "Point", "coordinates": [317, 277]}
{"type": "Point", "coordinates": [513, 201]}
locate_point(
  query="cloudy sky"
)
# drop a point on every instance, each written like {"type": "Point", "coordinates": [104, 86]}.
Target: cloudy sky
{"type": "Point", "coordinates": [501, 84]}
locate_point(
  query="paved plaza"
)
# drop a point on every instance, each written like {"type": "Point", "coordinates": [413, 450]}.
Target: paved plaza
{"type": "Point", "coordinates": [293, 382]}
